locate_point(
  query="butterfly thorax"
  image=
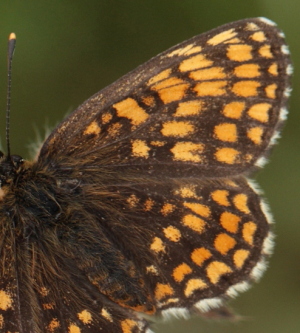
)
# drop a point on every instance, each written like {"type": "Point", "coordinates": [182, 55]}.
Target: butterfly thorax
{"type": "Point", "coordinates": [37, 217]}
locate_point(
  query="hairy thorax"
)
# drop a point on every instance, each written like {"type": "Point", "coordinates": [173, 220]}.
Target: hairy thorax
{"type": "Point", "coordinates": [57, 229]}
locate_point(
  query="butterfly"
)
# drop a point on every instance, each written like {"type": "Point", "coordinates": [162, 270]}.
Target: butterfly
{"type": "Point", "coordinates": [138, 204]}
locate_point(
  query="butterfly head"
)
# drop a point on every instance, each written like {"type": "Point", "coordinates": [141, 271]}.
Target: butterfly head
{"type": "Point", "coordinates": [9, 166]}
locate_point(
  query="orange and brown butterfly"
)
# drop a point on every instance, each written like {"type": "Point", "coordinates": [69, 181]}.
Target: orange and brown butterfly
{"type": "Point", "coordinates": [138, 204]}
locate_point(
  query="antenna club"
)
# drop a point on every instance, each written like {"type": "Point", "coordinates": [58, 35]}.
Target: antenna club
{"type": "Point", "coordinates": [12, 36]}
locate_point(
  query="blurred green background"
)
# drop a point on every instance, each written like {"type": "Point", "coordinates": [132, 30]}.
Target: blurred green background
{"type": "Point", "coordinates": [68, 50]}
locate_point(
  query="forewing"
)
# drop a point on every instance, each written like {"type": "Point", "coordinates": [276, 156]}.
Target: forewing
{"type": "Point", "coordinates": [206, 107]}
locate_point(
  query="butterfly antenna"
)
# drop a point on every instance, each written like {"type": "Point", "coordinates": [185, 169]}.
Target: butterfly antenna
{"type": "Point", "coordinates": [10, 53]}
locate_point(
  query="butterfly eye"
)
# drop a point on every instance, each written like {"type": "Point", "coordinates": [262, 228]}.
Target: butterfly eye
{"type": "Point", "coordinates": [9, 166]}
{"type": "Point", "coordinates": [17, 160]}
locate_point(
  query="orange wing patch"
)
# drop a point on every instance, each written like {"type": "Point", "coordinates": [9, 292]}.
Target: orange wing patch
{"type": "Point", "coordinates": [226, 132]}
{"type": "Point", "coordinates": [213, 73]}
{"type": "Point", "coordinates": [240, 257]}
{"type": "Point", "coordinates": [255, 134]}
{"type": "Point", "coordinates": [227, 155]}
{"type": "Point", "coordinates": [190, 108]}
{"type": "Point", "coordinates": [211, 88]}
{"type": "Point", "coordinates": [230, 221]}
{"type": "Point", "coordinates": [6, 301]}
{"type": "Point", "coordinates": [85, 316]}
{"type": "Point", "coordinates": [247, 71]}
{"type": "Point", "coordinates": [177, 128]}
{"type": "Point", "coordinates": [195, 62]}
{"type": "Point", "coordinates": [216, 269]}
{"type": "Point", "coordinates": [239, 52]}
{"type": "Point", "coordinates": [161, 76]}
{"type": "Point", "coordinates": [221, 197]}
{"type": "Point", "coordinates": [188, 151]}
{"type": "Point", "coordinates": [224, 243]}
{"type": "Point", "coordinates": [246, 88]}
{"type": "Point", "coordinates": [199, 255]}
{"type": "Point", "coordinates": [222, 37]}
{"type": "Point", "coordinates": [140, 148]}
{"type": "Point", "coordinates": [260, 112]}
{"type": "Point", "coordinates": [258, 36]}
{"type": "Point", "coordinates": [130, 109]}
{"type": "Point", "coordinates": [193, 285]}
{"type": "Point", "coordinates": [234, 110]}
{"type": "Point", "coordinates": [265, 51]}
{"type": "Point", "coordinates": [181, 271]}
{"type": "Point", "coordinates": [194, 222]}
{"type": "Point", "coordinates": [93, 128]}
{"type": "Point", "coordinates": [172, 233]}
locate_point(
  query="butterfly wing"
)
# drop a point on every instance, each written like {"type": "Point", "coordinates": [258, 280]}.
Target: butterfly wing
{"type": "Point", "coordinates": [213, 102]}
{"type": "Point", "coordinates": [145, 207]}
{"type": "Point", "coordinates": [210, 239]}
